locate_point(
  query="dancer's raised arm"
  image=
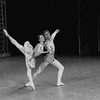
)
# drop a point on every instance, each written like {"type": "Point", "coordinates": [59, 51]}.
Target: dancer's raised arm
{"type": "Point", "coordinates": [54, 34]}
{"type": "Point", "coordinates": [20, 47]}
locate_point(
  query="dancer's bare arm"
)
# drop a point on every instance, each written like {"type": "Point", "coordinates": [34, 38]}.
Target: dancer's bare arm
{"type": "Point", "coordinates": [49, 49]}
{"type": "Point", "coordinates": [42, 50]}
{"type": "Point", "coordinates": [20, 47]}
{"type": "Point", "coordinates": [39, 50]}
{"type": "Point", "coordinates": [54, 34]}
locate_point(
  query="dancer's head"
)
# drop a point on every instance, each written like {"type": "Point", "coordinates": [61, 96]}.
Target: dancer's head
{"type": "Point", "coordinates": [28, 46]}
{"type": "Point", "coordinates": [47, 35]}
{"type": "Point", "coordinates": [41, 38]}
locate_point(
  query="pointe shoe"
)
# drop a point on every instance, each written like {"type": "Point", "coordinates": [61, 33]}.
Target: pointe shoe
{"type": "Point", "coordinates": [29, 84]}
{"type": "Point", "coordinates": [60, 84]}
{"type": "Point", "coordinates": [33, 87]}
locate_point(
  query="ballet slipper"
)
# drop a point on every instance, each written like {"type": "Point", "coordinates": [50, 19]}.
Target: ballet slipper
{"type": "Point", "coordinates": [60, 84]}
{"type": "Point", "coordinates": [33, 87]}
{"type": "Point", "coordinates": [29, 84]}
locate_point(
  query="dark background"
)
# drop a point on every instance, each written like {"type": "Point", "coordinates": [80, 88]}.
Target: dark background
{"type": "Point", "coordinates": [78, 21]}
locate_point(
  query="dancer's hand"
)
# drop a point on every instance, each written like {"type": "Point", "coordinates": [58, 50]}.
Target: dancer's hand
{"type": "Point", "coordinates": [6, 33]}
{"type": "Point", "coordinates": [57, 30]}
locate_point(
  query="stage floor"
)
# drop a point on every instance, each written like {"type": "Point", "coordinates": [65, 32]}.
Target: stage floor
{"type": "Point", "coordinates": [81, 77]}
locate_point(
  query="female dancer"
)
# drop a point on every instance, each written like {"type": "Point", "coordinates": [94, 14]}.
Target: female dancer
{"type": "Point", "coordinates": [29, 53]}
{"type": "Point", "coordinates": [27, 50]}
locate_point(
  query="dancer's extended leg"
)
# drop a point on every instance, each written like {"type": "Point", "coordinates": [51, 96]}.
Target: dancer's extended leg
{"type": "Point", "coordinates": [60, 72]}
{"type": "Point", "coordinates": [40, 69]}
{"type": "Point", "coordinates": [29, 74]}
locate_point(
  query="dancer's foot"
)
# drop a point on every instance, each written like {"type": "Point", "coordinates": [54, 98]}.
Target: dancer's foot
{"type": "Point", "coordinates": [60, 84]}
{"type": "Point", "coordinates": [29, 84]}
{"type": "Point", "coordinates": [33, 87]}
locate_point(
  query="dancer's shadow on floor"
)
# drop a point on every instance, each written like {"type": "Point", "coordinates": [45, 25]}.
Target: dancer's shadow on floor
{"type": "Point", "coordinates": [18, 90]}
{"type": "Point", "coordinates": [21, 89]}
{"type": "Point", "coordinates": [45, 85]}
{"type": "Point", "coordinates": [50, 84]}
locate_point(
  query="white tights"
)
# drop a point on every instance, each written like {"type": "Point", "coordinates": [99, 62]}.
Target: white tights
{"type": "Point", "coordinates": [55, 63]}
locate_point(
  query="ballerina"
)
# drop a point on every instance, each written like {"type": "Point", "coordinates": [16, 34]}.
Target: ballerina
{"type": "Point", "coordinates": [27, 50]}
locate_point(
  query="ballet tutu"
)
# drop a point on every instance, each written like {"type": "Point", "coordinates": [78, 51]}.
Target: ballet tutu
{"type": "Point", "coordinates": [31, 63]}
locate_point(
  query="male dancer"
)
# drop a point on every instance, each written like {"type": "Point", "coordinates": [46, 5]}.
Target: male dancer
{"type": "Point", "coordinates": [49, 58]}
